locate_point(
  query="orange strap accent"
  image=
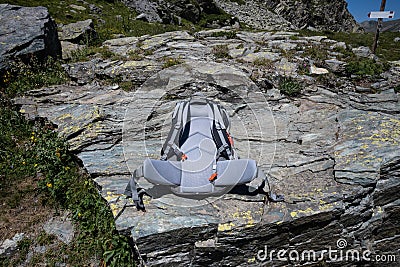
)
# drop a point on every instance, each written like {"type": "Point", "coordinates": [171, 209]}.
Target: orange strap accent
{"type": "Point", "coordinates": [183, 157]}
{"type": "Point", "coordinates": [229, 138]}
{"type": "Point", "coordinates": [213, 177]}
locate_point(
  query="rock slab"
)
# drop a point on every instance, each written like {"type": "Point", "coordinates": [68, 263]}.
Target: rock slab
{"type": "Point", "coordinates": [26, 31]}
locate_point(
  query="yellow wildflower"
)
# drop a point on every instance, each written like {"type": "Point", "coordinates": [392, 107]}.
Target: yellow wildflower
{"type": "Point", "coordinates": [58, 154]}
{"type": "Point", "coordinates": [49, 185]}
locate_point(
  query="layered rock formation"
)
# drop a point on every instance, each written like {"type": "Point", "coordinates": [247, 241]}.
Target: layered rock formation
{"type": "Point", "coordinates": [332, 151]}
{"type": "Point", "coordinates": [171, 11]}
{"type": "Point", "coordinates": [389, 26]}
{"type": "Point", "coordinates": [320, 15]}
{"type": "Point", "coordinates": [26, 32]}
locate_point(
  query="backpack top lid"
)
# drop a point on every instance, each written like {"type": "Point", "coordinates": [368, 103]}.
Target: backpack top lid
{"type": "Point", "coordinates": [193, 120]}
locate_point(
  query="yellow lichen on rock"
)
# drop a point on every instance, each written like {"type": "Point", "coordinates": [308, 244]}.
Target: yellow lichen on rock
{"type": "Point", "coordinates": [222, 227]}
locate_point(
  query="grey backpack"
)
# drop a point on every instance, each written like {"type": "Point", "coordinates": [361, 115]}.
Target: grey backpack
{"type": "Point", "coordinates": [198, 157]}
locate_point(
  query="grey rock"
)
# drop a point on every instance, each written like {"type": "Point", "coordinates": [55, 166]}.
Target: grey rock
{"type": "Point", "coordinates": [256, 14]}
{"type": "Point", "coordinates": [26, 31]}
{"type": "Point", "coordinates": [251, 57]}
{"type": "Point", "coordinates": [146, 7]}
{"type": "Point", "coordinates": [284, 66]}
{"type": "Point", "coordinates": [81, 31]}
{"type": "Point", "coordinates": [314, 38]}
{"type": "Point", "coordinates": [172, 11]}
{"type": "Point", "coordinates": [335, 65]}
{"type": "Point", "coordinates": [320, 14]}
{"type": "Point", "coordinates": [61, 227]}
{"type": "Point", "coordinates": [362, 51]}
{"type": "Point", "coordinates": [289, 14]}
{"type": "Point", "coordinates": [338, 45]}
{"type": "Point", "coordinates": [77, 7]}
{"type": "Point", "coordinates": [69, 48]}
{"type": "Point", "coordinates": [282, 45]}
{"type": "Point", "coordinates": [95, 9]}
{"type": "Point", "coordinates": [397, 39]}
{"type": "Point", "coordinates": [9, 246]}
{"type": "Point", "coordinates": [318, 71]}
{"type": "Point", "coordinates": [122, 46]}
{"type": "Point", "coordinates": [142, 16]}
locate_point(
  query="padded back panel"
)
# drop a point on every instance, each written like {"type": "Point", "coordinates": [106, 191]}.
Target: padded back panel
{"type": "Point", "coordinates": [196, 171]}
{"type": "Point", "coordinates": [162, 172]}
{"type": "Point", "coordinates": [235, 172]}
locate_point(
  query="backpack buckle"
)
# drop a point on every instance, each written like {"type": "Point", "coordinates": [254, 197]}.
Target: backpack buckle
{"type": "Point", "coordinates": [213, 177]}
{"type": "Point", "coordinates": [183, 157]}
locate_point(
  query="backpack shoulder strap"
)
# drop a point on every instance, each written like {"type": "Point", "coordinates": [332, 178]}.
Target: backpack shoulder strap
{"type": "Point", "coordinates": [178, 121]}
{"type": "Point", "coordinates": [221, 128]}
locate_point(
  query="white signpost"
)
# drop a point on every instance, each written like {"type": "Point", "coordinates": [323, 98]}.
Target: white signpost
{"type": "Point", "coordinates": [381, 14]}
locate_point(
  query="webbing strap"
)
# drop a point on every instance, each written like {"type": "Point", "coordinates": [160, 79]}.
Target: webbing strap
{"type": "Point", "coordinates": [133, 191]}
{"type": "Point", "coordinates": [220, 125]}
{"type": "Point", "coordinates": [271, 196]}
{"type": "Point", "coordinates": [171, 139]}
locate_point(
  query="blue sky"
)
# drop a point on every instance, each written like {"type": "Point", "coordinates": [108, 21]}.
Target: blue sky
{"type": "Point", "coordinates": [360, 8]}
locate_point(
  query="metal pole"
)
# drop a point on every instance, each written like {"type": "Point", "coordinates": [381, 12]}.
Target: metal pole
{"type": "Point", "coordinates": [378, 28]}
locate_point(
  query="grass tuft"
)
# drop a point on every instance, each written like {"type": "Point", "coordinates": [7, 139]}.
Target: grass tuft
{"type": "Point", "coordinates": [289, 86]}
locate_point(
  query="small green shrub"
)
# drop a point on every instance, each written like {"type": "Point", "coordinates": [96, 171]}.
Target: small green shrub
{"type": "Point", "coordinates": [221, 51]}
{"type": "Point", "coordinates": [240, 2]}
{"type": "Point", "coordinates": [363, 67]}
{"type": "Point", "coordinates": [126, 85]}
{"type": "Point", "coordinates": [136, 54]}
{"type": "Point", "coordinates": [227, 34]}
{"type": "Point", "coordinates": [317, 53]}
{"type": "Point", "coordinates": [85, 53]}
{"type": "Point", "coordinates": [209, 19]}
{"type": "Point", "coordinates": [21, 77]}
{"type": "Point", "coordinates": [304, 69]}
{"type": "Point", "coordinates": [397, 88]}
{"type": "Point", "coordinates": [263, 62]}
{"type": "Point", "coordinates": [169, 62]}
{"type": "Point", "coordinates": [289, 86]}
